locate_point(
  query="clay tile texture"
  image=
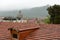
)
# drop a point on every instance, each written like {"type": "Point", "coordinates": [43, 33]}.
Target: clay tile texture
{"type": "Point", "coordinates": [4, 26]}
{"type": "Point", "coordinates": [44, 31]}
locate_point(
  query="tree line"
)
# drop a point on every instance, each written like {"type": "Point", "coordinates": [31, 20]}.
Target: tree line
{"type": "Point", "coordinates": [54, 12]}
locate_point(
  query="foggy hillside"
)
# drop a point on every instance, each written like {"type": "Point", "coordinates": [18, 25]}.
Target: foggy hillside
{"type": "Point", "coordinates": [31, 12]}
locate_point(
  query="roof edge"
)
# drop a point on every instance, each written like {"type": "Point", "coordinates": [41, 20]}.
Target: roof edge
{"type": "Point", "coordinates": [28, 29]}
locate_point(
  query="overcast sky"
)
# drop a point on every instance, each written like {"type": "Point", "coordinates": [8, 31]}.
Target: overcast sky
{"type": "Point", "coordinates": [21, 4]}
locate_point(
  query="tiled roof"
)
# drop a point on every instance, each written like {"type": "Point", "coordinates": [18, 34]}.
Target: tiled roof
{"type": "Point", "coordinates": [45, 32]}
{"type": "Point", "coordinates": [28, 26]}
{"type": "Point", "coordinates": [4, 32]}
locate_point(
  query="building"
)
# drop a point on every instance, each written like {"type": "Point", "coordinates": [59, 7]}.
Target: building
{"type": "Point", "coordinates": [29, 31]}
{"type": "Point", "coordinates": [22, 32]}
{"type": "Point", "coordinates": [19, 15]}
{"type": "Point", "coordinates": [42, 32]}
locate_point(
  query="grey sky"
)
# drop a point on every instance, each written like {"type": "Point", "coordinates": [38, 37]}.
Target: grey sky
{"type": "Point", "coordinates": [21, 4]}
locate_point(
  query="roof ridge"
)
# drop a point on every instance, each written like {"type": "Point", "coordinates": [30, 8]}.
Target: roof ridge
{"type": "Point", "coordinates": [29, 29]}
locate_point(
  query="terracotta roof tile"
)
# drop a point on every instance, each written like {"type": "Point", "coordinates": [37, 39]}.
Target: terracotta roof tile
{"type": "Point", "coordinates": [28, 26]}
{"type": "Point", "coordinates": [46, 32]}
{"type": "Point", "coordinates": [5, 34]}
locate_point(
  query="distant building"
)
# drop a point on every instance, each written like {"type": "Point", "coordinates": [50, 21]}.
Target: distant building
{"type": "Point", "coordinates": [19, 15]}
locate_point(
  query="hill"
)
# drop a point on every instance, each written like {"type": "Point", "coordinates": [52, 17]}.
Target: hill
{"type": "Point", "coordinates": [35, 12]}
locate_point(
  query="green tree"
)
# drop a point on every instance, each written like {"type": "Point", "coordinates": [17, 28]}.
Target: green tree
{"type": "Point", "coordinates": [54, 12]}
{"type": "Point", "coordinates": [46, 20]}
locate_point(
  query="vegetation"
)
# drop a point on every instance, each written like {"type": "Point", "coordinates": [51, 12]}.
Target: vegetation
{"type": "Point", "coordinates": [46, 20]}
{"type": "Point", "coordinates": [12, 18]}
{"type": "Point", "coordinates": [54, 12]}
{"type": "Point", "coordinates": [19, 16]}
{"type": "Point", "coordinates": [9, 18]}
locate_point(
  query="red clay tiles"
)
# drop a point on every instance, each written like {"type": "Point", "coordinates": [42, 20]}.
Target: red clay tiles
{"type": "Point", "coordinates": [45, 31]}
{"type": "Point", "coordinates": [5, 33]}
